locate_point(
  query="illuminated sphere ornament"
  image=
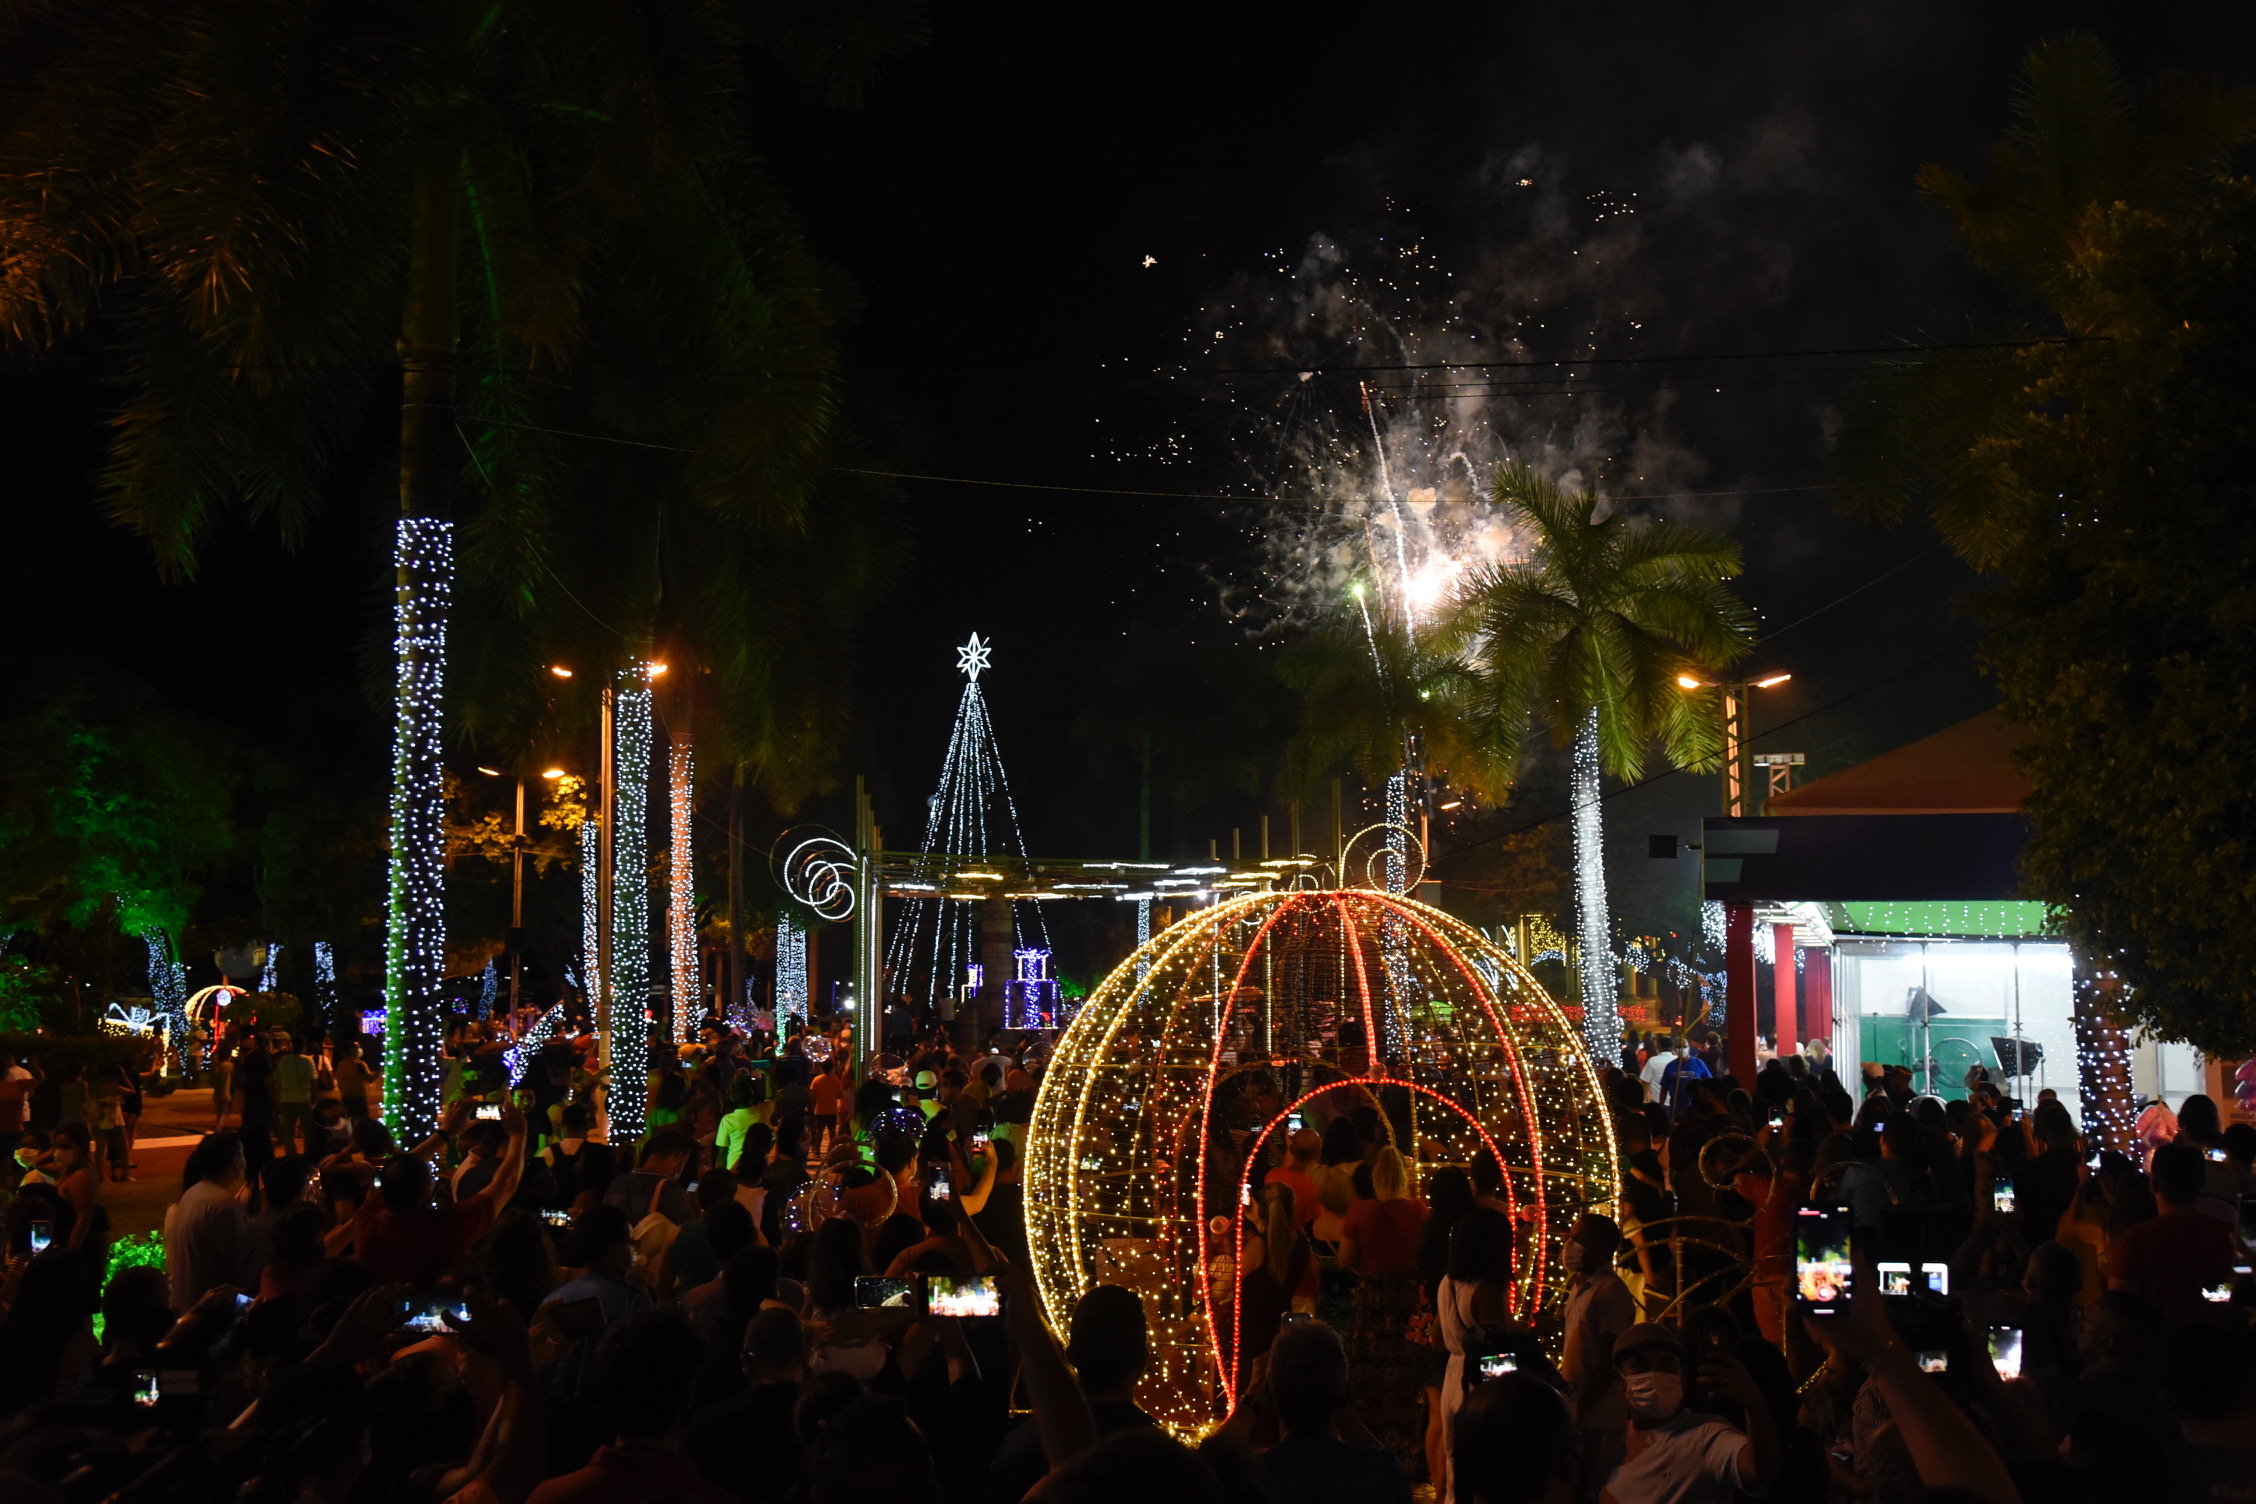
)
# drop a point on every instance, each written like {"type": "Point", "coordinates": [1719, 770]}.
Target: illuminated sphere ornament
{"type": "Point", "coordinates": [1177, 1077]}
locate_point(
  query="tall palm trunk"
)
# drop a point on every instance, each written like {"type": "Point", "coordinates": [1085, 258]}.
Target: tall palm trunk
{"type": "Point", "coordinates": [1594, 927]}
{"type": "Point", "coordinates": [423, 558]}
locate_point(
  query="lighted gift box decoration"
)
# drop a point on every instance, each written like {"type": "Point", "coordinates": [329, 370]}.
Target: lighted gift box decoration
{"type": "Point", "coordinates": [1150, 1118]}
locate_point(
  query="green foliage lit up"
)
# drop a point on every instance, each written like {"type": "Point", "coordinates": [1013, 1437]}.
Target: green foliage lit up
{"type": "Point", "coordinates": [2106, 480]}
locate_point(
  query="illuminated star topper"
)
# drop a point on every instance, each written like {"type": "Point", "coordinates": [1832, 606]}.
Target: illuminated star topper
{"type": "Point", "coordinates": [971, 658]}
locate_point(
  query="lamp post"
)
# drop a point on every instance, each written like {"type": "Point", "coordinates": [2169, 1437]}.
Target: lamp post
{"type": "Point", "coordinates": [1738, 768]}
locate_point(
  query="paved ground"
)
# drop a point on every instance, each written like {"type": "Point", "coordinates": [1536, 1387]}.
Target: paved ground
{"type": "Point", "coordinates": [170, 1127]}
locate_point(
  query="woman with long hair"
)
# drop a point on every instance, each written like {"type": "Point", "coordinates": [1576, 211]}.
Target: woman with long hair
{"type": "Point", "coordinates": [1276, 1263]}
{"type": "Point", "coordinates": [1380, 1247]}
{"type": "Point", "coordinates": [1475, 1292]}
{"type": "Point", "coordinates": [1449, 1196]}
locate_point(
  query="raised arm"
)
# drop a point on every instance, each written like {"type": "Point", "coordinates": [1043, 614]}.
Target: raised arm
{"type": "Point", "coordinates": [511, 1171]}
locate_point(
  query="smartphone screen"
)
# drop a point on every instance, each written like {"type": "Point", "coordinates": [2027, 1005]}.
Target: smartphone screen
{"type": "Point", "coordinates": [1496, 1365]}
{"type": "Point", "coordinates": [2001, 1193]}
{"type": "Point", "coordinates": [145, 1392]}
{"type": "Point", "coordinates": [962, 1295]}
{"type": "Point", "coordinates": [1938, 1278]}
{"type": "Point", "coordinates": [1293, 1122]}
{"type": "Point", "coordinates": [2218, 1294]}
{"type": "Point", "coordinates": [2092, 1164]}
{"type": "Point", "coordinates": [243, 1302]}
{"type": "Point", "coordinates": [2217, 1156]}
{"type": "Point", "coordinates": [1934, 1360]}
{"type": "Point", "coordinates": [488, 1112]}
{"type": "Point", "coordinates": [1822, 1276]}
{"type": "Point", "coordinates": [431, 1315]}
{"type": "Point", "coordinates": [1245, 1194]}
{"type": "Point", "coordinates": [980, 1138]}
{"type": "Point", "coordinates": [936, 1182]}
{"type": "Point", "coordinates": [879, 1292]}
{"type": "Point", "coordinates": [2017, 1114]}
{"type": "Point", "coordinates": [1777, 1118]}
{"type": "Point", "coordinates": [42, 1234]}
{"type": "Point", "coordinates": [1895, 1278]}
{"type": "Point", "coordinates": [2005, 1351]}
{"type": "Point", "coordinates": [557, 1216]}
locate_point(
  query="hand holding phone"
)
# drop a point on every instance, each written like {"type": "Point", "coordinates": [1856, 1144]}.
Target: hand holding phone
{"type": "Point", "coordinates": [488, 1112]}
{"type": "Point", "coordinates": [1823, 1276]}
{"type": "Point", "coordinates": [881, 1292]}
{"type": "Point", "coordinates": [2001, 1193]}
{"type": "Point", "coordinates": [42, 1235]}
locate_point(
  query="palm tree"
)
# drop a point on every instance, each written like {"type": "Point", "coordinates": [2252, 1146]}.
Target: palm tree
{"type": "Point", "coordinates": [280, 210]}
{"type": "Point", "coordinates": [1586, 638]}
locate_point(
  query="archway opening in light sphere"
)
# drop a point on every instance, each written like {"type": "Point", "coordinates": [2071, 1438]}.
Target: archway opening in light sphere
{"type": "Point", "coordinates": [1181, 1069]}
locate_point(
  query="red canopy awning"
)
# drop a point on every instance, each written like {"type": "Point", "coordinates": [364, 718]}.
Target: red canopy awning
{"type": "Point", "coordinates": [1964, 769]}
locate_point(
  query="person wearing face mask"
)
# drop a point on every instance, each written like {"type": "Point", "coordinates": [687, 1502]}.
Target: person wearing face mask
{"type": "Point", "coordinates": [1599, 1310]}
{"type": "Point", "coordinates": [1667, 1454]}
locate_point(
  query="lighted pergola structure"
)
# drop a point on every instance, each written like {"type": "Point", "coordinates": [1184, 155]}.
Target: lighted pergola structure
{"type": "Point", "coordinates": [1145, 1130]}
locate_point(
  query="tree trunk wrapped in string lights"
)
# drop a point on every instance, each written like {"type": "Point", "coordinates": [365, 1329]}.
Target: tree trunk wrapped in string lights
{"type": "Point", "coordinates": [1147, 1125]}
{"type": "Point", "coordinates": [415, 934]}
{"type": "Point", "coordinates": [629, 1090]}
{"type": "Point", "coordinates": [681, 900]}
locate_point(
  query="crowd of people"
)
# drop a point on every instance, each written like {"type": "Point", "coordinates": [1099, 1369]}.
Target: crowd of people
{"type": "Point", "coordinates": [806, 1279]}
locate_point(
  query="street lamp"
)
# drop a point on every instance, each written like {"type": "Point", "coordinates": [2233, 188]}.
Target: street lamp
{"type": "Point", "coordinates": [1738, 771]}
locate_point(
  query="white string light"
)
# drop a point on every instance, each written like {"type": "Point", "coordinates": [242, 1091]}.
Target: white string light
{"type": "Point", "coordinates": [2103, 1067]}
{"type": "Point", "coordinates": [591, 954]}
{"type": "Point", "coordinates": [1601, 1023]}
{"type": "Point", "coordinates": [790, 976]}
{"type": "Point", "coordinates": [168, 987]}
{"type": "Point", "coordinates": [630, 911]}
{"type": "Point", "coordinates": [681, 915]}
{"type": "Point", "coordinates": [325, 981]}
{"type": "Point", "coordinates": [270, 974]}
{"type": "Point", "coordinates": [971, 816]}
{"type": "Point", "coordinates": [415, 907]}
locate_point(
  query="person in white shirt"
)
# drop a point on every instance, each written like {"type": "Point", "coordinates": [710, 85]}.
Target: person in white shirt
{"type": "Point", "coordinates": [208, 1240]}
{"type": "Point", "coordinates": [1651, 1075]}
{"type": "Point", "coordinates": [1667, 1454]}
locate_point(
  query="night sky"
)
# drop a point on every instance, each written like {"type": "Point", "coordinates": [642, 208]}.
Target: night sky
{"type": "Point", "coordinates": [1607, 180]}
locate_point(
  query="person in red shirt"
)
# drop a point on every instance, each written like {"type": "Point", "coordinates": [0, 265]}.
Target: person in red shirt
{"type": "Point", "coordinates": [402, 1237]}
{"type": "Point", "coordinates": [643, 1375]}
{"type": "Point", "coordinates": [1303, 1146]}
{"type": "Point", "coordinates": [2172, 1259]}
{"type": "Point", "coordinates": [829, 1090]}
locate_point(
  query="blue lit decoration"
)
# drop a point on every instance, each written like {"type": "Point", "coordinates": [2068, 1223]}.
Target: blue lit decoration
{"type": "Point", "coordinates": [1031, 1001]}
{"type": "Point", "coordinates": [324, 980]}
{"type": "Point", "coordinates": [630, 909]}
{"type": "Point", "coordinates": [373, 1021]}
{"type": "Point", "coordinates": [270, 975]}
{"type": "Point", "coordinates": [790, 976]}
{"type": "Point", "coordinates": [489, 985]}
{"type": "Point", "coordinates": [168, 988]}
{"type": "Point", "coordinates": [415, 909]}
{"type": "Point", "coordinates": [971, 817]}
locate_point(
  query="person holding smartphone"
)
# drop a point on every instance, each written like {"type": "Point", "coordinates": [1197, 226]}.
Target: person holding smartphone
{"type": "Point", "coordinates": [2172, 1258]}
{"type": "Point", "coordinates": [1668, 1454]}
